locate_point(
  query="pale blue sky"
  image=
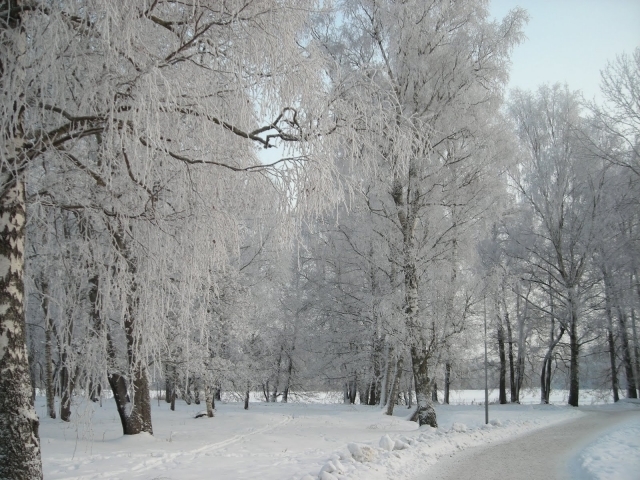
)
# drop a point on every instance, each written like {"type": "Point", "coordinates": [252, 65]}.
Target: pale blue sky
{"type": "Point", "coordinates": [571, 40]}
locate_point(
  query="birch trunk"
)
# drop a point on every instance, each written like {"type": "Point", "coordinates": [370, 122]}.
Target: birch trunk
{"type": "Point", "coordinates": [425, 413]}
{"type": "Point", "coordinates": [19, 440]}
{"type": "Point", "coordinates": [134, 410]}
{"type": "Point", "coordinates": [388, 371]}
{"type": "Point", "coordinates": [395, 386]}
{"type": "Point", "coordinates": [133, 400]}
{"type": "Point", "coordinates": [208, 399]}
{"type": "Point", "coordinates": [48, 356]}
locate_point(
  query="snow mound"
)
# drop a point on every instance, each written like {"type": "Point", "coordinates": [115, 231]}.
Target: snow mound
{"type": "Point", "coordinates": [400, 445]}
{"type": "Point", "coordinates": [332, 466]}
{"type": "Point", "coordinates": [386, 443]}
{"type": "Point", "coordinates": [459, 427]}
{"type": "Point", "coordinates": [361, 453]}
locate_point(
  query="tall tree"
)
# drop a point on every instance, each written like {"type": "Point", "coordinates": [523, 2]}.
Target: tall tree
{"type": "Point", "coordinates": [124, 114]}
{"type": "Point", "coordinates": [19, 441]}
{"type": "Point", "coordinates": [563, 190]}
{"type": "Point", "coordinates": [423, 82]}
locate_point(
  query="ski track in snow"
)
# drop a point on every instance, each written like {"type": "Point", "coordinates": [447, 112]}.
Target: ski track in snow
{"type": "Point", "coordinates": [193, 454]}
{"type": "Point", "coordinates": [167, 461]}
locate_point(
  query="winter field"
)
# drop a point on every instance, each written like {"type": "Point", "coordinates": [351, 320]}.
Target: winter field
{"type": "Point", "coordinates": [310, 439]}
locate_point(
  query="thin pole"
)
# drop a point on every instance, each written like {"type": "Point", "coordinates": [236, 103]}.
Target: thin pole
{"type": "Point", "coordinates": [486, 377]}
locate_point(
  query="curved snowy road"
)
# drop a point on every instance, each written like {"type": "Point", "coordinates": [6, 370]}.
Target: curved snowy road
{"type": "Point", "coordinates": [543, 454]}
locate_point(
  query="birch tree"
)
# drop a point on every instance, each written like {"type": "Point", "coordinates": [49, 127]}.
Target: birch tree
{"type": "Point", "coordinates": [134, 115]}
{"type": "Point", "coordinates": [19, 442]}
{"type": "Point", "coordinates": [428, 75]}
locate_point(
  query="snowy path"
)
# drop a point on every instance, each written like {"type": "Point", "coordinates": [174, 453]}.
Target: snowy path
{"type": "Point", "coordinates": [550, 452]}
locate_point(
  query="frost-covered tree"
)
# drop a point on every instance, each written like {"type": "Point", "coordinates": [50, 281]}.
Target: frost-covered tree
{"type": "Point", "coordinates": [422, 82]}
{"type": "Point", "coordinates": [142, 120]}
{"type": "Point", "coordinates": [563, 189]}
{"type": "Point", "coordinates": [19, 442]}
{"type": "Point", "coordinates": [619, 115]}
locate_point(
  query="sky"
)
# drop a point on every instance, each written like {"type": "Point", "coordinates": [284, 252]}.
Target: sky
{"type": "Point", "coordinates": [571, 40]}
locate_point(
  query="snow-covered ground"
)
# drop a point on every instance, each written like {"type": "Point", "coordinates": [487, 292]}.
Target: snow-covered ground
{"type": "Point", "coordinates": [315, 439]}
{"type": "Point", "coordinates": [616, 454]}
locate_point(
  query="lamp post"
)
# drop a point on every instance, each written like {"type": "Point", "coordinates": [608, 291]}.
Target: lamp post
{"type": "Point", "coordinates": [486, 378]}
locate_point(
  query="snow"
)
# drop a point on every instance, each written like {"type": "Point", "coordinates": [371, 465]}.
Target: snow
{"type": "Point", "coordinates": [615, 455]}
{"type": "Point", "coordinates": [299, 441]}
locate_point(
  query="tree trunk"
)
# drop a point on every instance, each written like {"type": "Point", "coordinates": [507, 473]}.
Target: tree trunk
{"type": "Point", "coordinates": [168, 383]}
{"type": "Point", "coordinates": [65, 394]}
{"type": "Point", "coordinates": [138, 418]}
{"type": "Point", "coordinates": [377, 337]}
{"type": "Point", "coordinates": [19, 440]}
{"type": "Point", "coordinates": [363, 392]}
{"type": "Point", "coordinates": [196, 390]}
{"type": "Point", "coordinates": [425, 413]}
{"type": "Point", "coordinates": [635, 279]}
{"type": "Point", "coordinates": [391, 402]}
{"type": "Point", "coordinates": [208, 400]}
{"type": "Point", "coordinates": [574, 346]}
{"type": "Point", "coordinates": [287, 384]}
{"type": "Point", "coordinates": [434, 392]}
{"type": "Point", "coordinates": [611, 340]}
{"type": "Point", "coordinates": [246, 399]}
{"type": "Point", "coordinates": [353, 389]}
{"type": "Point", "coordinates": [373, 397]}
{"type": "Point", "coordinates": [67, 385]}
{"type": "Point", "coordinates": [274, 395]}
{"type": "Point", "coordinates": [134, 418]}
{"type": "Point", "coordinates": [388, 371]}
{"type": "Point", "coordinates": [512, 379]}
{"type": "Point", "coordinates": [503, 363]}
{"type": "Point", "coordinates": [611, 298]}
{"type": "Point", "coordinates": [447, 382]}
{"type": "Point", "coordinates": [612, 360]}
{"type": "Point", "coordinates": [520, 362]}
{"type": "Point", "coordinates": [626, 353]}
{"type": "Point", "coordinates": [376, 381]}
{"type": "Point", "coordinates": [48, 356]}
{"type": "Point", "coordinates": [545, 375]}
{"type": "Point", "coordinates": [134, 404]}
{"type": "Point", "coordinates": [187, 389]}
{"type": "Point", "coordinates": [636, 348]}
